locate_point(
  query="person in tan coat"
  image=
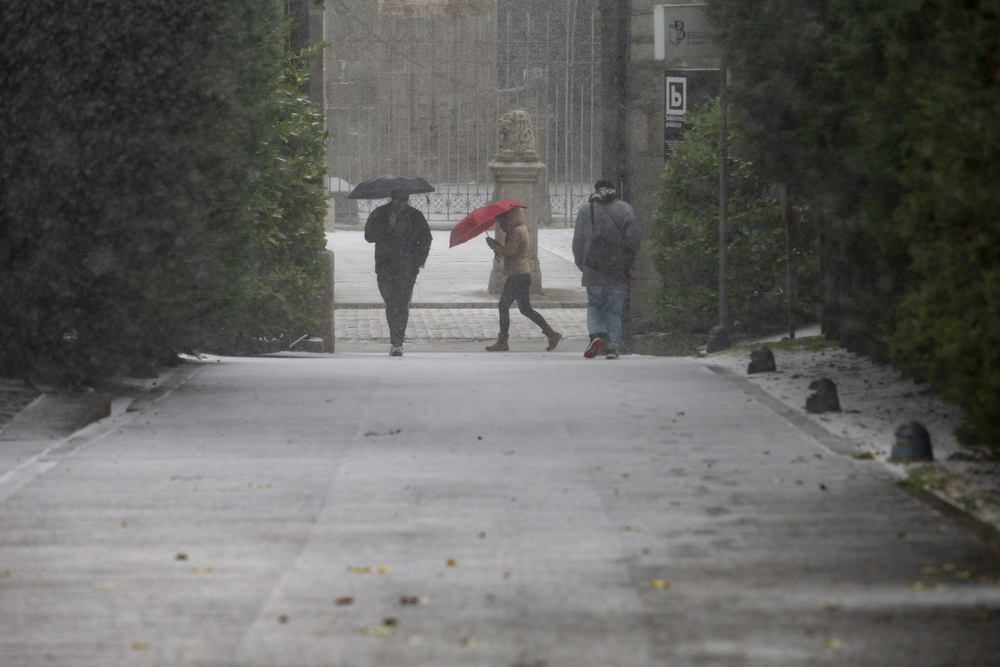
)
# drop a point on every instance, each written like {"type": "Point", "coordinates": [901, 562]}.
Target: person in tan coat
{"type": "Point", "coordinates": [514, 253]}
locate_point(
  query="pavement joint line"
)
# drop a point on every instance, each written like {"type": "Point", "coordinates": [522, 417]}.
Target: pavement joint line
{"type": "Point", "coordinates": [986, 532]}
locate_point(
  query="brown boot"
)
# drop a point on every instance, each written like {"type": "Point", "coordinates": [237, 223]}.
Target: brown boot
{"type": "Point", "coordinates": [500, 345]}
{"type": "Point", "coordinates": [553, 336]}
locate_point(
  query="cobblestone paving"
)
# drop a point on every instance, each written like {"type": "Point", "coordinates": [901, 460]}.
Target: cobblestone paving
{"type": "Point", "coordinates": [368, 324]}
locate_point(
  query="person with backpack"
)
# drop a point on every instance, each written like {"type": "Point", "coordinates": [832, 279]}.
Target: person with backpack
{"type": "Point", "coordinates": [606, 242]}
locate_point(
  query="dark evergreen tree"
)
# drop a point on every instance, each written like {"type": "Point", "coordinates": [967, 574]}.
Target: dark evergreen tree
{"type": "Point", "coordinates": [885, 117]}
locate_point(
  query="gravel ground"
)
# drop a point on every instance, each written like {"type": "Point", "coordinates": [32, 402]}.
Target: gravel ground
{"type": "Point", "coordinates": [14, 397]}
{"type": "Point", "coordinates": [875, 400]}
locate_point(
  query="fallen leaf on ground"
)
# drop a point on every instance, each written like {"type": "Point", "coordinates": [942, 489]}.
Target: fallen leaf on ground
{"type": "Point", "coordinates": [408, 600]}
{"type": "Point", "coordinates": [388, 626]}
{"type": "Point", "coordinates": [659, 584]}
{"type": "Point", "coordinates": [208, 569]}
{"type": "Point", "coordinates": [343, 602]}
{"type": "Point", "coordinates": [921, 586]}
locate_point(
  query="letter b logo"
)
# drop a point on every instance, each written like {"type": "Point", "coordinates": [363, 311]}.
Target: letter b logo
{"type": "Point", "coordinates": [676, 95]}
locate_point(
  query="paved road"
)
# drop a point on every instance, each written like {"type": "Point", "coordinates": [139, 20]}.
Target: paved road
{"type": "Point", "coordinates": [465, 508]}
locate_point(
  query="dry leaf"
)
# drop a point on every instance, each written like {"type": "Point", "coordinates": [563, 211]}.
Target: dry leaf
{"type": "Point", "coordinates": [832, 642]}
{"type": "Point", "coordinates": [202, 570]}
{"type": "Point", "coordinates": [141, 646]}
{"type": "Point", "coordinates": [389, 626]}
{"type": "Point", "coordinates": [408, 600]}
{"type": "Point", "coordinates": [343, 602]}
{"type": "Point", "coordinates": [659, 584]}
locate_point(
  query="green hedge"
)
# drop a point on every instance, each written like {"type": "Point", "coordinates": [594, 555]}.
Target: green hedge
{"type": "Point", "coordinates": [133, 148]}
{"type": "Point", "coordinates": [685, 241]}
{"type": "Point", "coordinates": [886, 117]}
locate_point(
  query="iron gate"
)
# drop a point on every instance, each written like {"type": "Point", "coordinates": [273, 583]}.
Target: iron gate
{"type": "Point", "coordinates": [419, 93]}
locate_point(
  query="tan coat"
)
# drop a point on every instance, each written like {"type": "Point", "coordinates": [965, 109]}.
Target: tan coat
{"type": "Point", "coordinates": [517, 244]}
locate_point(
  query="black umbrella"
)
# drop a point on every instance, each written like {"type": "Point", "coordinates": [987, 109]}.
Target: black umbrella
{"type": "Point", "coordinates": [383, 186]}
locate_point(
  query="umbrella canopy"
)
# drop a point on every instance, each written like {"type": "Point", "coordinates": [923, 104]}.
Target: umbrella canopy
{"type": "Point", "coordinates": [479, 220]}
{"type": "Point", "coordinates": [383, 186]}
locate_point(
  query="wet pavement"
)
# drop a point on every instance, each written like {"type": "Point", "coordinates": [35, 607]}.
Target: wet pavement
{"type": "Point", "coordinates": [455, 507]}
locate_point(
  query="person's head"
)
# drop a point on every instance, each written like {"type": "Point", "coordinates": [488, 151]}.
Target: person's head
{"type": "Point", "coordinates": [400, 198]}
{"type": "Point", "coordinates": [511, 218]}
{"type": "Point", "coordinates": [603, 184]}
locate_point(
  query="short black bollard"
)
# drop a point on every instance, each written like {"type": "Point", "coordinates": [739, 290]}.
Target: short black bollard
{"type": "Point", "coordinates": [718, 339]}
{"type": "Point", "coordinates": [761, 360]}
{"type": "Point", "coordinates": [913, 443]}
{"type": "Point", "coordinates": [825, 397]}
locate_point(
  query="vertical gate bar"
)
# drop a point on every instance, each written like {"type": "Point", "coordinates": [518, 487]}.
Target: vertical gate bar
{"type": "Point", "coordinates": [566, 101]}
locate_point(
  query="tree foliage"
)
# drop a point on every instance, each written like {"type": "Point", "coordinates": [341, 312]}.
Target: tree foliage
{"type": "Point", "coordinates": [685, 236]}
{"type": "Point", "coordinates": [283, 269]}
{"type": "Point", "coordinates": [131, 171]}
{"type": "Point", "coordinates": [885, 114]}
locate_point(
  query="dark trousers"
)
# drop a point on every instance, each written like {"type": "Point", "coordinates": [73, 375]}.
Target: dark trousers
{"type": "Point", "coordinates": [518, 288]}
{"type": "Point", "coordinates": [396, 290]}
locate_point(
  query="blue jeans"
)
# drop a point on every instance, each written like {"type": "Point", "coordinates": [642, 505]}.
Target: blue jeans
{"type": "Point", "coordinates": [604, 313]}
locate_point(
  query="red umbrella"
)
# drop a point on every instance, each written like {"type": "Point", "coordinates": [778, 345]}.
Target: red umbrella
{"type": "Point", "coordinates": [479, 220]}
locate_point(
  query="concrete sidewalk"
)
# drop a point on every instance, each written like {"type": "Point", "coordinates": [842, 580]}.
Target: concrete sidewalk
{"type": "Point", "coordinates": [450, 300]}
{"type": "Point", "coordinates": [443, 510]}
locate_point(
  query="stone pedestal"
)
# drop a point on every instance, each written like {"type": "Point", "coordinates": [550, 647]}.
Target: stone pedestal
{"type": "Point", "coordinates": [519, 181]}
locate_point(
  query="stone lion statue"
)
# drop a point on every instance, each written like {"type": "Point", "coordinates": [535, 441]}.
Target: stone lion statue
{"type": "Point", "coordinates": [517, 137]}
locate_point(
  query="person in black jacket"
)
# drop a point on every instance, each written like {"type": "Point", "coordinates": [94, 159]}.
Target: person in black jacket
{"type": "Point", "coordinates": [402, 240]}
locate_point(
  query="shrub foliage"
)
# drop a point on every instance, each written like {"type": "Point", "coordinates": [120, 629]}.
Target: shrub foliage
{"type": "Point", "coordinates": [138, 151]}
{"type": "Point", "coordinates": [885, 115]}
{"type": "Point", "coordinates": [685, 236]}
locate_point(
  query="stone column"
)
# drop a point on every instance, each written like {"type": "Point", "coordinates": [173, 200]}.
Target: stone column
{"type": "Point", "coordinates": [516, 172]}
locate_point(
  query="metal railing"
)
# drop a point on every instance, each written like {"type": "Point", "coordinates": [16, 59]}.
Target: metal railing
{"type": "Point", "coordinates": [419, 94]}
